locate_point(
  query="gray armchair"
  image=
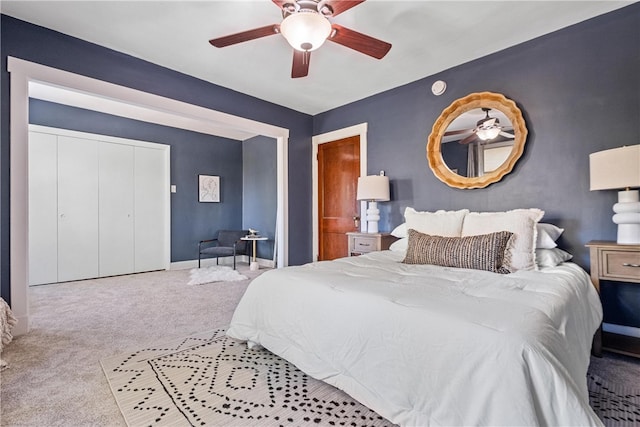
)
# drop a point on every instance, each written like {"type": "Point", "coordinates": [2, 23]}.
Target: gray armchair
{"type": "Point", "coordinates": [226, 243]}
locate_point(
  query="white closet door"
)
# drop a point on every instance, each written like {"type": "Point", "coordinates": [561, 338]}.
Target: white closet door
{"type": "Point", "coordinates": [77, 208]}
{"type": "Point", "coordinates": [151, 195]}
{"type": "Point", "coordinates": [43, 208]}
{"type": "Point", "coordinates": [116, 209]}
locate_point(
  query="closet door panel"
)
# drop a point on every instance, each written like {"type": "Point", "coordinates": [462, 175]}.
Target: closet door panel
{"type": "Point", "coordinates": [151, 193]}
{"type": "Point", "coordinates": [77, 208]}
{"type": "Point", "coordinates": [116, 209]}
{"type": "Point", "coordinates": [43, 208]}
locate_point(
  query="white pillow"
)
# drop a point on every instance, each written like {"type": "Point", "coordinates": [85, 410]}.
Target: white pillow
{"type": "Point", "coordinates": [551, 257]}
{"type": "Point", "coordinates": [400, 231]}
{"type": "Point", "coordinates": [439, 223]}
{"type": "Point", "coordinates": [400, 245]}
{"type": "Point", "coordinates": [547, 235]}
{"type": "Point", "coordinates": [521, 222]}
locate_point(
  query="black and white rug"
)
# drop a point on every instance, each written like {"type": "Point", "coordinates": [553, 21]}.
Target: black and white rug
{"type": "Point", "coordinates": [213, 380]}
{"type": "Point", "coordinates": [210, 379]}
{"type": "Point", "coordinates": [615, 405]}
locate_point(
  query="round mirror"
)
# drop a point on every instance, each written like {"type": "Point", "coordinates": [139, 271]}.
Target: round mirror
{"type": "Point", "coordinates": [476, 140]}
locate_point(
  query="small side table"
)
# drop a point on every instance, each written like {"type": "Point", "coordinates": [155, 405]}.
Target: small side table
{"type": "Point", "coordinates": [254, 264]}
{"type": "Point", "coordinates": [617, 263]}
{"type": "Point", "coordinates": [362, 243]}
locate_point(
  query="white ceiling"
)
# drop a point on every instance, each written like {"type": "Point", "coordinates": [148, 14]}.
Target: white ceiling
{"type": "Point", "coordinates": [427, 37]}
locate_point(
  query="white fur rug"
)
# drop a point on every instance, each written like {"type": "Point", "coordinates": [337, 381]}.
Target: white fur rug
{"type": "Point", "coordinates": [200, 276]}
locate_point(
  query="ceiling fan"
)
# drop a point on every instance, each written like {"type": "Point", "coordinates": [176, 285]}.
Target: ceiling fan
{"type": "Point", "coordinates": [306, 27]}
{"type": "Point", "coordinates": [486, 129]}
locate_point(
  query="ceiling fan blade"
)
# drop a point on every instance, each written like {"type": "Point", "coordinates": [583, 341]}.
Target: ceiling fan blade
{"type": "Point", "coordinates": [358, 41]}
{"type": "Point", "coordinates": [488, 123]}
{"type": "Point", "coordinates": [507, 135]}
{"type": "Point", "coordinates": [300, 64]}
{"type": "Point", "coordinates": [244, 36]}
{"type": "Point", "coordinates": [457, 132]}
{"type": "Point", "coordinates": [469, 139]}
{"type": "Point", "coordinates": [339, 6]}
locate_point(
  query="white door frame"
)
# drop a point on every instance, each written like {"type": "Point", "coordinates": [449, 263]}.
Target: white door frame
{"type": "Point", "coordinates": [355, 130]}
{"type": "Point", "coordinates": [22, 73]}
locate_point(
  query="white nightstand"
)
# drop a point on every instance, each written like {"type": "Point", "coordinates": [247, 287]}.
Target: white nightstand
{"type": "Point", "coordinates": [362, 243]}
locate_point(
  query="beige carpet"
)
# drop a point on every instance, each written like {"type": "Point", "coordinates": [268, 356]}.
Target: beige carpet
{"type": "Point", "coordinates": [210, 379]}
{"type": "Point", "coordinates": [54, 376]}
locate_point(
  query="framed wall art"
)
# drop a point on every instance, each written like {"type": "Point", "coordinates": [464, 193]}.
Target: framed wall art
{"type": "Point", "coordinates": [208, 188]}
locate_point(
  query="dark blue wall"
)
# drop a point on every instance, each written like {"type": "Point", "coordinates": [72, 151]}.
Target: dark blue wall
{"type": "Point", "coordinates": [37, 44]}
{"type": "Point", "coordinates": [192, 154]}
{"type": "Point", "coordinates": [259, 194]}
{"type": "Point", "coordinates": [579, 90]}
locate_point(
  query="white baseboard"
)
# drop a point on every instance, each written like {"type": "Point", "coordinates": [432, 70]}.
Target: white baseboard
{"type": "Point", "coordinates": [207, 262]}
{"type": "Point", "coordinates": [622, 330]}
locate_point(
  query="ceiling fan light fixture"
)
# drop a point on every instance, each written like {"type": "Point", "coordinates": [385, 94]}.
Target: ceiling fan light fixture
{"type": "Point", "coordinates": [489, 127]}
{"type": "Point", "coordinates": [487, 134]}
{"type": "Point", "coordinates": [305, 30]}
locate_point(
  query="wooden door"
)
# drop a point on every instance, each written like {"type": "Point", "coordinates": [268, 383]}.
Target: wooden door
{"type": "Point", "coordinates": [338, 172]}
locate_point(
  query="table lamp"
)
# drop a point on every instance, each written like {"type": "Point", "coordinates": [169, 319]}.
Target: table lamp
{"type": "Point", "coordinates": [374, 189]}
{"type": "Point", "coordinates": [619, 168]}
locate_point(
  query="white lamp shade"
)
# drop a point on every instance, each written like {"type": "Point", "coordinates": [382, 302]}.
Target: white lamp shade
{"type": "Point", "coordinates": [373, 188]}
{"type": "Point", "coordinates": [305, 31]}
{"type": "Point", "coordinates": [615, 168]}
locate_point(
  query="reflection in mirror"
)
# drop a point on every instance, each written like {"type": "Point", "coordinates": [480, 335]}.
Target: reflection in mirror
{"type": "Point", "coordinates": [476, 140]}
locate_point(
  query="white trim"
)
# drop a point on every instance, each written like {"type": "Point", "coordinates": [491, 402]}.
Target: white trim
{"type": "Point", "coordinates": [22, 73]}
{"type": "Point", "coordinates": [97, 137]}
{"type": "Point", "coordinates": [359, 129]}
{"type": "Point", "coordinates": [621, 329]}
{"type": "Point", "coordinates": [166, 152]}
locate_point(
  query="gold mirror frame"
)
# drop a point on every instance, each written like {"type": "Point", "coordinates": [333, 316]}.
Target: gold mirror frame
{"type": "Point", "coordinates": [461, 106]}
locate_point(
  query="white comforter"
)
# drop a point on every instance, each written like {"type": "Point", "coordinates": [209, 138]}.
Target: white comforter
{"type": "Point", "coordinates": [425, 345]}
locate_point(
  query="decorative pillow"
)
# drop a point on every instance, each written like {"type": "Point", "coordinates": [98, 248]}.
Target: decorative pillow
{"type": "Point", "coordinates": [547, 235]}
{"type": "Point", "coordinates": [551, 257]}
{"type": "Point", "coordinates": [521, 222]}
{"type": "Point", "coordinates": [482, 252]}
{"type": "Point", "coordinates": [400, 231]}
{"type": "Point", "coordinates": [400, 245]}
{"type": "Point", "coordinates": [439, 223]}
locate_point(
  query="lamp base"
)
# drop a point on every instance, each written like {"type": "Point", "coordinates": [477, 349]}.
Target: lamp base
{"type": "Point", "coordinates": [628, 217]}
{"type": "Point", "coordinates": [373, 216]}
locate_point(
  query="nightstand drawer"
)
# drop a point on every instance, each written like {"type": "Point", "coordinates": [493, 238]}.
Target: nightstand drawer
{"type": "Point", "coordinates": [621, 265]}
{"type": "Point", "coordinates": [364, 244]}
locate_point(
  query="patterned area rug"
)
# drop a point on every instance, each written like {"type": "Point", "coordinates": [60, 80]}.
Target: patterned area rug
{"type": "Point", "coordinates": [210, 379]}
{"type": "Point", "coordinates": [615, 405]}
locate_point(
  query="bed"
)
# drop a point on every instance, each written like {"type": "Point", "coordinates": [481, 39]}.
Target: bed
{"type": "Point", "coordinates": [433, 345]}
